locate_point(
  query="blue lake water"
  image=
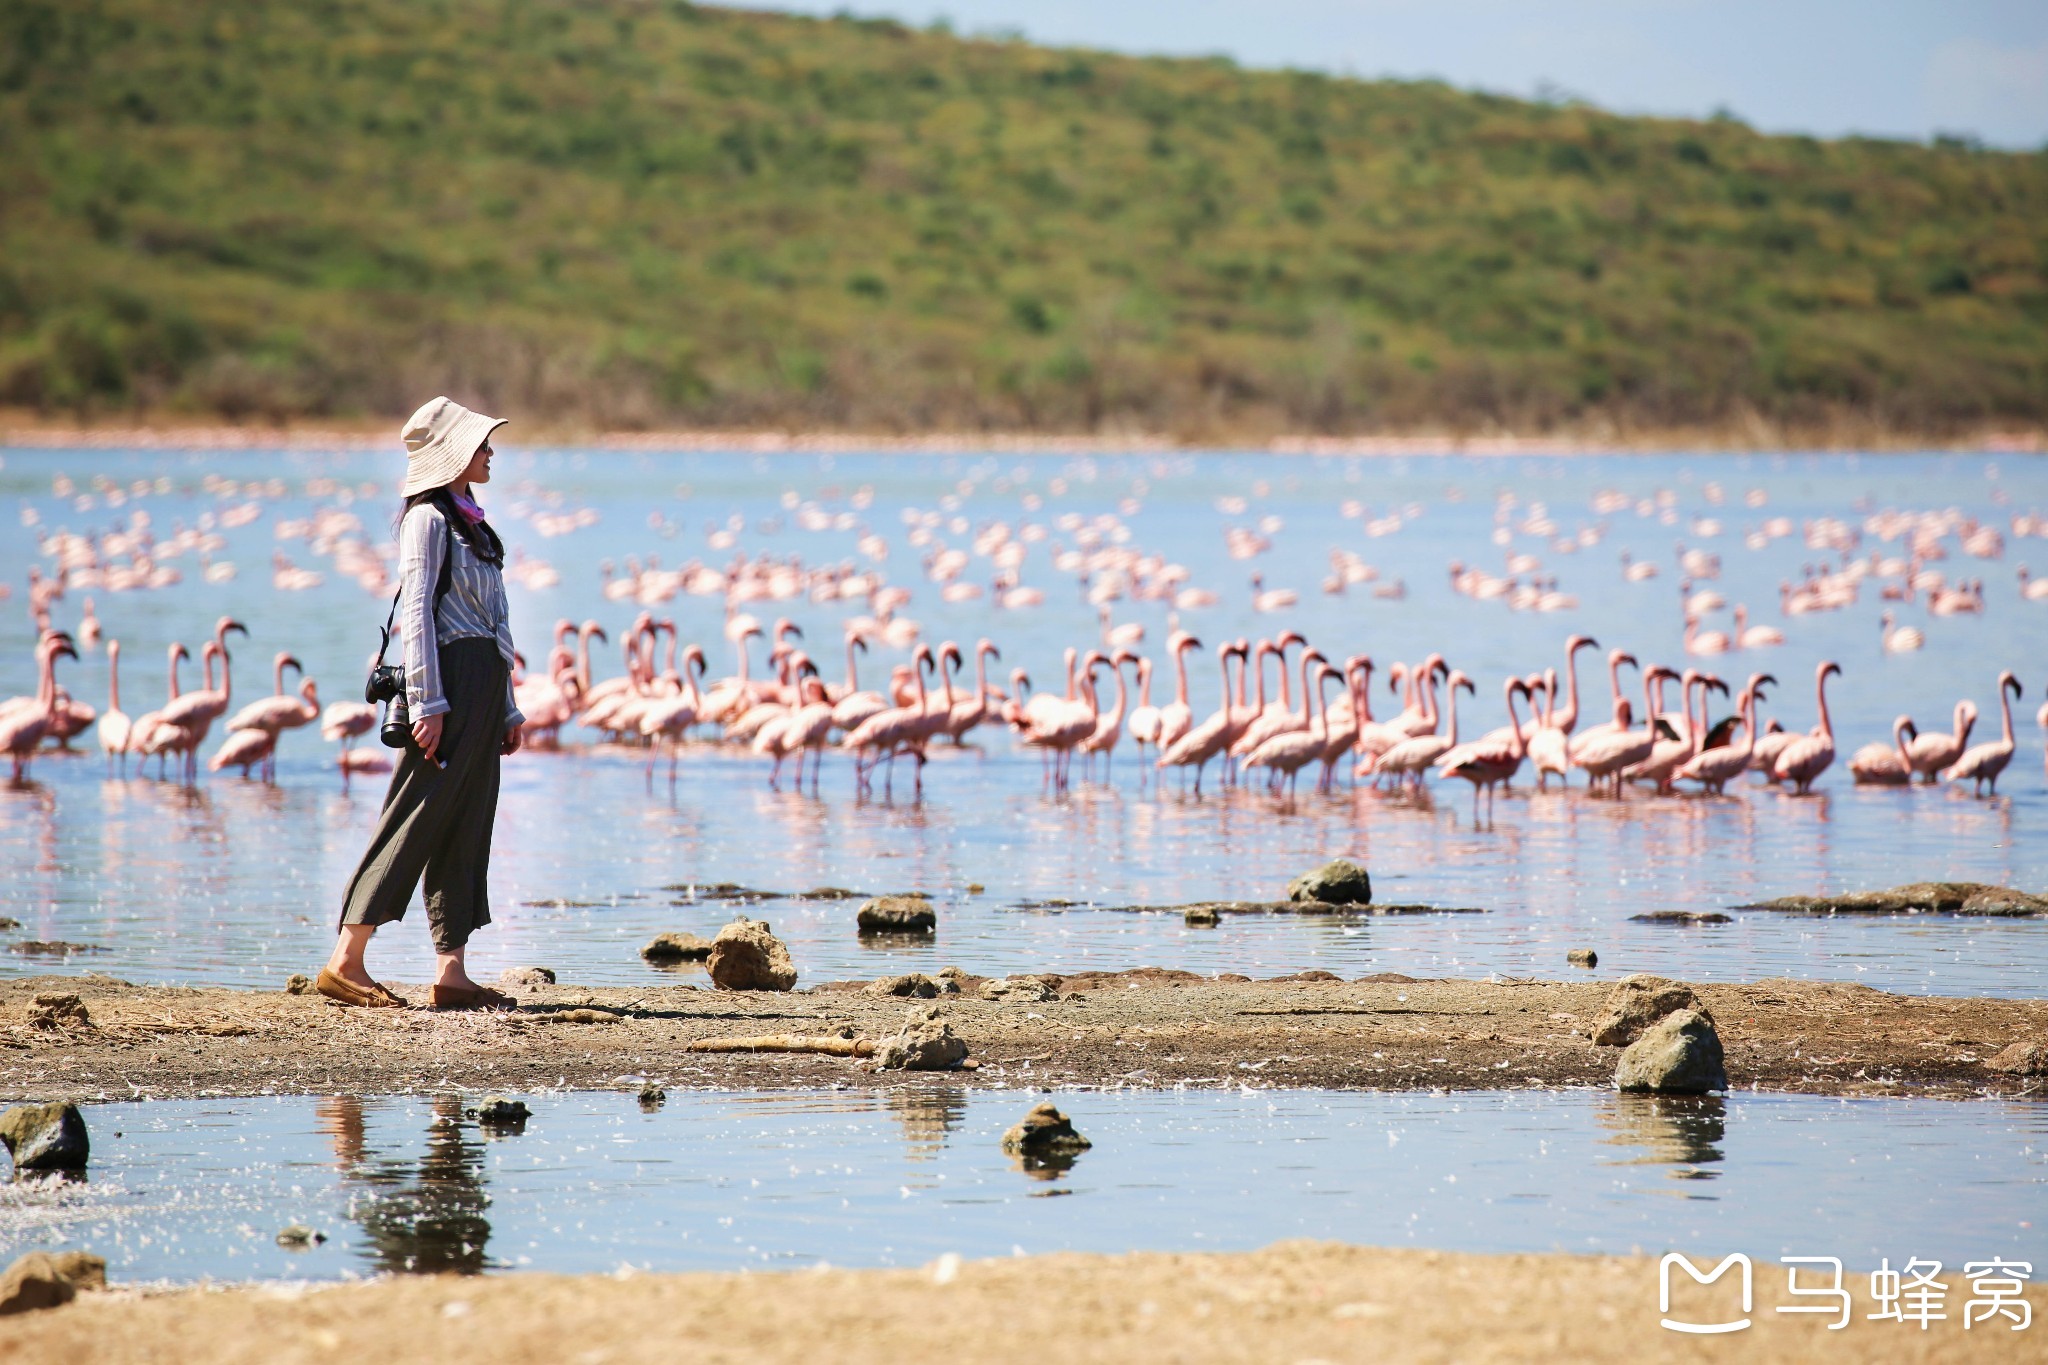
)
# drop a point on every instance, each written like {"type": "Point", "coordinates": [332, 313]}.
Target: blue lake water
{"type": "Point", "coordinates": [188, 1189]}
{"type": "Point", "coordinates": [237, 883]}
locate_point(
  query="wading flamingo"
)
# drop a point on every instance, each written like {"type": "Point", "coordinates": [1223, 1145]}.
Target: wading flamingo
{"type": "Point", "coordinates": [1808, 756]}
{"type": "Point", "coordinates": [1931, 753]}
{"type": "Point", "coordinates": [1885, 765]}
{"type": "Point", "coordinates": [115, 729]}
{"type": "Point", "coordinates": [1984, 762]}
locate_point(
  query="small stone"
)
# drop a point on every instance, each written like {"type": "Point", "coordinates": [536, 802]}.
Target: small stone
{"type": "Point", "coordinates": [675, 947]}
{"type": "Point", "coordinates": [2026, 1058]}
{"type": "Point", "coordinates": [1582, 957]}
{"type": "Point", "coordinates": [58, 1012]}
{"type": "Point", "coordinates": [46, 1137]}
{"type": "Point", "coordinates": [897, 915]}
{"type": "Point", "coordinates": [527, 976]}
{"type": "Point", "coordinates": [975, 888]}
{"type": "Point", "coordinates": [1680, 1054]}
{"type": "Point", "coordinates": [925, 1043]}
{"type": "Point", "coordinates": [298, 983]}
{"type": "Point", "coordinates": [915, 984]}
{"type": "Point", "coordinates": [1338, 882]}
{"type": "Point", "coordinates": [585, 1015]}
{"type": "Point", "coordinates": [299, 1237]}
{"type": "Point", "coordinates": [45, 1279]}
{"type": "Point", "coordinates": [1681, 917]}
{"type": "Point", "coordinates": [1202, 917]}
{"type": "Point", "coordinates": [498, 1112]}
{"type": "Point", "coordinates": [1020, 990]}
{"type": "Point", "coordinates": [747, 957]}
{"type": "Point", "coordinates": [652, 1096]}
{"type": "Point", "coordinates": [1042, 1132]}
{"type": "Point", "coordinates": [6, 923]}
{"type": "Point", "coordinates": [1639, 1001]}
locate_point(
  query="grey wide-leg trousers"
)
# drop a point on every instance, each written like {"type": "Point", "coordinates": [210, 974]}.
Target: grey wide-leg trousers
{"type": "Point", "coordinates": [437, 821]}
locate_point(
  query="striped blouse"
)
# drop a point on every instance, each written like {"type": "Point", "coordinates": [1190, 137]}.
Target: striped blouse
{"type": "Point", "coordinates": [473, 609]}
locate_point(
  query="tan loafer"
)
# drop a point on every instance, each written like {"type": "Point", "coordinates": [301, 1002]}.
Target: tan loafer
{"type": "Point", "coordinates": [343, 992]}
{"type": "Point", "coordinates": [470, 998]}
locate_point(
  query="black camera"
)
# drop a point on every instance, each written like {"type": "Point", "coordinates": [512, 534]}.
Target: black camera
{"type": "Point", "coordinates": [386, 681]}
{"type": "Point", "coordinates": [387, 684]}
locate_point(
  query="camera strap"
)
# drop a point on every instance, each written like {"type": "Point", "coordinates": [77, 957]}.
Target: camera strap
{"type": "Point", "coordinates": [441, 583]}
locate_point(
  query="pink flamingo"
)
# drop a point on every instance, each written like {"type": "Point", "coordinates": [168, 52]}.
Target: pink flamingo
{"type": "Point", "coordinates": [1410, 759]}
{"type": "Point", "coordinates": [1492, 761]}
{"type": "Point", "coordinates": [1808, 756]}
{"type": "Point", "coordinates": [195, 712]}
{"type": "Point", "coordinates": [968, 714]}
{"type": "Point", "coordinates": [1280, 718]}
{"type": "Point", "coordinates": [666, 722]}
{"type": "Point", "coordinates": [1060, 730]}
{"type": "Point", "coordinates": [1929, 754]}
{"type": "Point", "coordinates": [1606, 752]}
{"type": "Point", "coordinates": [115, 729]}
{"type": "Point", "coordinates": [1143, 722]}
{"type": "Point", "coordinates": [854, 706]}
{"type": "Point", "coordinates": [22, 728]}
{"type": "Point", "coordinates": [244, 749]}
{"type": "Point", "coordinates": [1714, 766]}
{"type": "Point", "coordinates": [1984, 762]}
{"type": "Point", "coordinates": [887, 733]}
{"type": "Point", "coordinates": [1176, 718]}
{"type": "Point", "coordinates": [1885, 765]}
{"type": "Point", "coordinates": [1204, 741]}
{"type": "Point", "coordinates": [1340, 727]}
{"type": "Point", "coordinates": [1289, 751]}
{"type": "Point", "coordinates": [1109, 728]}
{"type": "Point", "coordinates": [142, 738]}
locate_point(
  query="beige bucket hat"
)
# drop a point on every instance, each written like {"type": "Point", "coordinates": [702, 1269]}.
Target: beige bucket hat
{"type": "Point", "coordinates": [440, 440]}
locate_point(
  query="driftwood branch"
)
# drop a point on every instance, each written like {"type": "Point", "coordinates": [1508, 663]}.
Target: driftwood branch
{"type": "Point", "coordinates": [786, 1042]}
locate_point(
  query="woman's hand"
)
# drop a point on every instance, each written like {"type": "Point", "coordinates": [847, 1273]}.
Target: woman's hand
{"type": "Point", "coordinates": [511, 744]}
{"type": "Point", "coordinates": [426, 732]}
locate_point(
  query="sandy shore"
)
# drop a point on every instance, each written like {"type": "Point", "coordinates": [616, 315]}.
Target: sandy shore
{"type": "Point", "coordinates": [1296, 1301]}
{"type": "Point", "coordinates": [1141, 1028]}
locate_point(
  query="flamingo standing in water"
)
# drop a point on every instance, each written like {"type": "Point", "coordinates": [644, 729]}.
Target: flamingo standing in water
{"type": "Point", "coordinates": [115, 729]}
{"type": "Point", "coordinates": [1885, 765]}
{"type": "Point", "coordinates": [1549, 744]}
{"type": "Point", "coordinates": [1175, 718]}
{"type": "Point", "coordinates": [1930, 753]}
{"type": "Point", "coordinates": [1109, 728]}
{"type": "Point", "coordinates": [666, 721]}
{"type": "Point", "coordinates": [1060, 728]}
{"type": "Point", "coordinates": [1203, 742]}
{"type": "Point", "coordinates": [1607, 751]}
{"type": "Point", "coordinates": [1407, 761]}
{"type": "Point", "coordinates": [968, 714]}
{"type": "Point", "coordinates": [142, 738]}
{"type": "Point", "coordinates": [1984, 762]}
{"type": "Point", "coordinates": [22, 727]}
{"type": "Point", "coordinates": [1144, 718]}
{"type": "Point", "coordinates": [1490, 762]}
{"type": "Point", "coordinates": [1288, 752]}
{"type": "Point", "coordinates": [1808, 756]}
{"type": "Point", "coordinates": [1714, 767]}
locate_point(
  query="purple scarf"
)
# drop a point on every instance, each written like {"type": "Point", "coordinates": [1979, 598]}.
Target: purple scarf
{"type": "Point", "coordinates": [464, 504]}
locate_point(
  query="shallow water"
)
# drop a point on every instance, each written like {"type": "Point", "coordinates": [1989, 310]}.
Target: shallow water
{"type": "Point", "coordinates": [186, 1189]}
{"type": "Point", "coordinates": [237, 883]}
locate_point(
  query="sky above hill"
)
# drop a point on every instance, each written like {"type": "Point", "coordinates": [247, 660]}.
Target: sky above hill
{"type": "Point", "coordinates": [1892, 68]}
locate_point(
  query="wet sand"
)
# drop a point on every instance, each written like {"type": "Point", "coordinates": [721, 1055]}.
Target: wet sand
{"type": "Point", "coordinates": [1297, 1301]}
{"type": "Point", "coordinates": [1150, 1028]}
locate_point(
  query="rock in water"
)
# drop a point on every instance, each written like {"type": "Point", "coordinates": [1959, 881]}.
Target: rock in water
{"type": "Point", "coordinates": [2022, 1059]}
{"type": "Point", "coordinates": [1680, 1054]}
{"type": "Point", "coordinates": [46, 1137]}
{"type": "Point", "coordinates": [926, 1043]}
{"type": "Point", "coordinates": [1640, 1001]}
{"type": "Point", "coordinates": [1045, 1131]}
{"type": "Point", "coordinates": [1202, 917]}
{"type": "Point", "coordinates": [44, 1279]}
{"type": "Point", "coordinates": [746, 957]}
{"type": "Point", "coordinates": [676, 947]}
{"type": "Point", "coordinates": [897, 915]}
{"type": "Point", "coordinates": [527, 976]}
{"type": "Point", "coordinates": [498, 1112]}
{"type": "Point", "coordinates": [1582, 957]}
{"type": "Point", "coordinates": [299, 1237]}
{"type": "Point", "coordinates": [1341, 882]}
{"type": "Point", "coordinates": [652, 1096]}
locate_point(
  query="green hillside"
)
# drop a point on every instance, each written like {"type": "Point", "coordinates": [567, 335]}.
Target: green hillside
{"type": "Point", "coordinates": [631, 212]}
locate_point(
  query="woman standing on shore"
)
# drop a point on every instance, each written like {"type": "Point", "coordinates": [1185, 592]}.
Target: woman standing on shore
{"type": "Point", "coordinates": [443, 800]}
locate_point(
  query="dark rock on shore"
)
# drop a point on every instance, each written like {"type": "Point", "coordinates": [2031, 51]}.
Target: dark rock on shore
{"type": "Point", "coordinates": [2027, 1058]}
{"type": "Point", "coordinates": [676, 947]}
{"type": "Point", "coordinates": [46, 1279]}
{"type": "Point", "coordinates": [1639, 1001]}
{"type": "Point", "coordinates": [1020, 990]}
{"type": "Point", "coordinates": [528, 976]}
{"type": "Point", "coordinates": [1916, 898]}
{"type": "Point", "coordinates": [897, 915]}
{"type": "Point", "coordinates": [55, 1012]}
{"type": "Point", "coordinates": [298, 983]}
{"type": "Point", "coordinates": [46, 1137]}
{"type": "Point", "coordinates": [1680, 1054]}
{"type": "Point", "coordinates": [1337, 882]}
{"type": "Point", "coordinates": [747, 957]}
{"type": "Point", "coordinates": [1681, 917]}
{"type": "Point", "coordinates": [926, 1042]}
{"type": "Point", "coordinates": [915, 985]}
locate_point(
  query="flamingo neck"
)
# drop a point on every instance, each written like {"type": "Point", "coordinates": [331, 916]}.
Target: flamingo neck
{"type": "Point", "coordinates": [2004, 706]}
{"type": "Point", "coordinates": [1571, 695]}
{"type": "Point", "coordinates": [981, 677]}
{"type": "Point", "coordinates": [1180, 675]}
{"type": "Point", "coordinates": [1827, 727]}
{"type": "Point", "coordinates": [1454, 710]}
{"type": "Point", "coordinates": [114, 676]}
{"type": "Point", "coordinates": [852, 681]}
{"type": "Point", "coordinates": [1286, 694]}
{"type": "Point", "coordinates": [1521, 742]}
{"type": "Point", "coordinates": [1144, 682]}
